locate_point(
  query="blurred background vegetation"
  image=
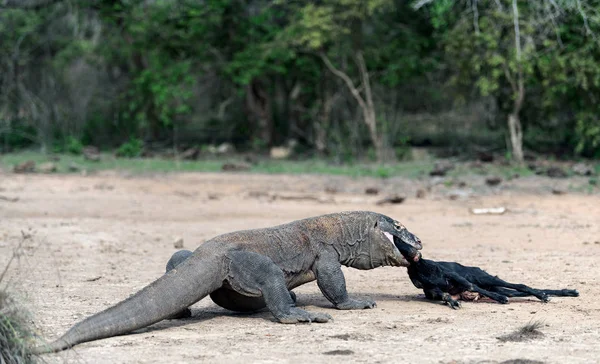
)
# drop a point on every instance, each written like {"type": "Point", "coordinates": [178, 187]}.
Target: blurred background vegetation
{"type": "Point", "coordinates": [342, 79]}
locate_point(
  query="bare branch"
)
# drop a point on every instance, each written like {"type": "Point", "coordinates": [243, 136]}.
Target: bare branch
{"type": "Point", "coordinates": [475, 16]}
{"type": "Point", "coordinates": [520, 82]}
{"type": "Point", "coordinates": [553, 20]}
{"type": "Point", "coordinates": [346, 79]}
{"type": "Point", "coordinates": [499, 5]}
{"type": "Point", "coordinates": [588, 31]}
{"type": "Point", "coordinates": [508, 76]}
{"type": "Point", "coordinates": [517, 30]}
{"type": "Point", "coordinates": [364, 75]}
{"type": "Point", "coordinates": [223, 107]}
{"type": "Point", "coordinates": [419, 4]}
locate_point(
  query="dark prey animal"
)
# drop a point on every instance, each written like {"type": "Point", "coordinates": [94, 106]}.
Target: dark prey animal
{"type": "Point", "coordinates": [450, 281]}
{"type": "Point", "coordinates": [252, 269]}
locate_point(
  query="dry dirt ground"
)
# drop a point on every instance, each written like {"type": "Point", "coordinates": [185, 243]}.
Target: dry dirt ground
{"type": "Point", "coordinates": [97, 239]}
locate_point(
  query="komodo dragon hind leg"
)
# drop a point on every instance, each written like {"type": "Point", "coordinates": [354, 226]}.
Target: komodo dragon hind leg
{"type": "Point", "coordinates": [223, 297]}
{"type": "Point", "coordinates": [256, 275]}
{"type": "Point", "coordinates": [176, 259]}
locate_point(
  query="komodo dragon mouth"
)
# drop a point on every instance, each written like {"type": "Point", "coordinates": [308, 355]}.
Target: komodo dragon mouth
{"type": "Point", "coordinates": [413, 254]}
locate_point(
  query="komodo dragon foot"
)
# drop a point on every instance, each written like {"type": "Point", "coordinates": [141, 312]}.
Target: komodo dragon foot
{"type": "Point", "coordinates": [299, 315]}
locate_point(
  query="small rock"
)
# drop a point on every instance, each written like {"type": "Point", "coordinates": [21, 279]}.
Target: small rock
{"type": "Point", "coordinates": [339, 352]}
{"type": "Point", "coordinates": [280, 152]}
{"type": "Point", "coordinates": [25, 167]}
{"type": "Point", "coordinates": [190, 154]}
{"type": "Point", "coordinates": [251, 159]}
{"type": "Point", "coordinates": [421, 193]}
{"type": "Point", "coordinates": [582, 169]}
{"type": "Point", "coordinates": [331, 189]}
{"type": "Point", "coordinates": [493, 181]}
{"type": "Point", "coordinates": [558, 191]}
{"type": "Point", "coordinates": [147, 153]}
{"type": "Point", "coordinates": [486, 157]}
{"type": "Point", "coordinates": [225, 148]}
{"type": "Point", "coordinates": [91, 153]}
{"type": "Point", "coordinates": [441, 168]}
{"type": "Point", "coordinates": [48, 167]}
{"type": "Point", "coordinates": [371, 190]}
{"type": "Point", "coordinates": [556, 172]}
{"type": "Point", "coordinates": [178, 243]}
{"type": "Point", "coordinates": [456, 194]}
{"type": "Point", "coordinates": [74, 167]}
{"type": "Point", "coordinates": [236, 167]}
{"type": "Point", "coordinates": [394, 199]}
{"type": "Point", "coordinates": [214, 196]}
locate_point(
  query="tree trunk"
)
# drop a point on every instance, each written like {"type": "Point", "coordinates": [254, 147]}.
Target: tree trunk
{"type": "Point", "coordinates": [366, 103]}
{"type": "Point", "coordinates": [516, 137]}
{"type": "Point", "coordinates": [376, 138]}
{"type": "Point", "coordinates": [514, 122]}
{"type": "Point", "coordinates": [259, 104]}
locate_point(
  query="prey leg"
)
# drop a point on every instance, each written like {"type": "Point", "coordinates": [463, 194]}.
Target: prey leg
{"type": "Point", "coordinates": [437, 294]}
{"type": "Point", "coordinates": [491, 281]}
{"type": "Point", "coordinates": [468, 286]}
{"type": "Point", "coordinates": [550, 292]}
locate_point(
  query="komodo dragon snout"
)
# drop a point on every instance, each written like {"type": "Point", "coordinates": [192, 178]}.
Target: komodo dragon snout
{"type": "Point", "coordinates": [397, 234]}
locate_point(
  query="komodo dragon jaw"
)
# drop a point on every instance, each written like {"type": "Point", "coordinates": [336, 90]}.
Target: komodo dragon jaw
{"type": "Point", "coordinates": [251, 269]}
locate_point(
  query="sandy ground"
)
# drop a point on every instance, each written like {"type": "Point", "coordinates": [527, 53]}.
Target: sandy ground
{"type": "Point", "coordinates": [97, 239]}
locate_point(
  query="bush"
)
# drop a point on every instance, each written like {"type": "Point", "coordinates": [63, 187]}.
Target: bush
{"type": "Point", "coordinates": [15, 335]}
{"type": "Point", "coordinates": [131, 149]}
{"type": "Point", "coordinates": [73, 145]}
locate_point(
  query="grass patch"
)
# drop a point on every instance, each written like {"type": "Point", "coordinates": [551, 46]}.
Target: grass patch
{"type": "Point", "coordinates": [407, 169]}
{"type": "Point", "coordinates": [528, 332]}
{"type": "Point", "coordinates": [491, 169]}
{"type": "Point", "coordinates": [267, 166]}
{"type": "Point", "coordinates": [15, 334]}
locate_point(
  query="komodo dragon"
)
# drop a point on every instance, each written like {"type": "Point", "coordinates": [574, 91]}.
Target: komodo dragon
{"type": "Point", "coordinates": [450, 281]}
{"type": "Point", "coordinates": [251, 269]}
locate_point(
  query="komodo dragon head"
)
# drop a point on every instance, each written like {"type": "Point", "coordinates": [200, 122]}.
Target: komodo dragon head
{"type": "Point", "coordinates": [383, 236]}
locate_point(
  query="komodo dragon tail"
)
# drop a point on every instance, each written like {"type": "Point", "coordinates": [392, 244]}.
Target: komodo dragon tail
{"type": "Point", "coordinates": [178, 289]}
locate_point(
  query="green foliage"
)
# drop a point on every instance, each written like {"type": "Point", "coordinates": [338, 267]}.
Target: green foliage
{"type": "Point", "coordinates": [73, 145]}
{"type": "Point", "coordinates": [402, 148]}
{"type": "Point", "coordinates": [157, 68]}
{"type": "Point", "coordinates": [130, 149]}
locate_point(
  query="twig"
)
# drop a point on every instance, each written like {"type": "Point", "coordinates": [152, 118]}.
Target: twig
{"type": "Point", "coordinates": [9, 199]}
{"type": "Point", "coordinates": [585, 19]}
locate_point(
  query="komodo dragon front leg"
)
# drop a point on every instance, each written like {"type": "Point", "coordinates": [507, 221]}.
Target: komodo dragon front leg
{"type": "Point", "coordinates": [224, 297]}
{"type": "Point", "coordinates": [332, 283]}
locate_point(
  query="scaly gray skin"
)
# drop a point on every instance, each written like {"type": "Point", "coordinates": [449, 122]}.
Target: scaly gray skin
{"type": "Point", "coordinates": [251, 269]}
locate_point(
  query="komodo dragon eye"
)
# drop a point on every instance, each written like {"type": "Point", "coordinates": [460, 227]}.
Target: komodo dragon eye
{"type": "Point", "coordinates": [398, 226]}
